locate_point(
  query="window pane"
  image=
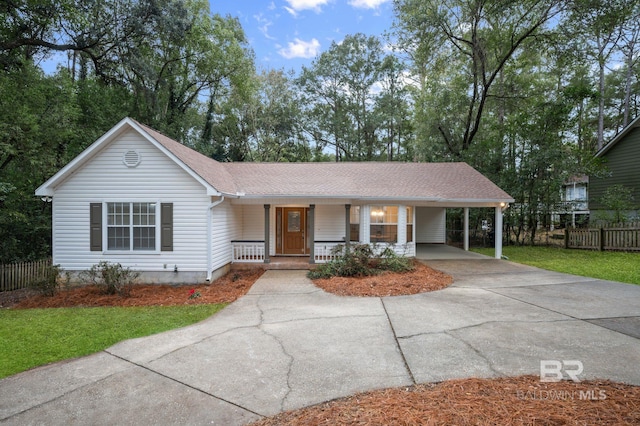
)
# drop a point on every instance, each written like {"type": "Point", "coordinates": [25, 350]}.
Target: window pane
{"type": "Point", "coordinates": [144, 214]}
{"type": "Point", "coordinates": [118, 238]}
{"type": "Point", "coordinates": [384, 214]}
{"type": "Point", "coordinates": [355, 232]}
{"type": "Point", "coordinates": [293, 222]}
{"type": "Point", "coordinates": [384, 233]}
{"type": "Point", "coordinates": [409, 233]}
{"type": "Point", "coordinates": [144, 238]}
{"type": "Point", "coordinates": [354, 214]}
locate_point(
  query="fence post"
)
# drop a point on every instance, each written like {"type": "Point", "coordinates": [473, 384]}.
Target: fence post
{"type": "Point", "coordinates": [566, 237]}
{"type": "Point", "coordinates": [601, 245]}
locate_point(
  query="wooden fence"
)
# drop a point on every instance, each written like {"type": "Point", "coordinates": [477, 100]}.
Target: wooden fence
{"type": "Point", "coordinates": [609, 238]}
{"type": "Point", "coordinates": [14, 276]}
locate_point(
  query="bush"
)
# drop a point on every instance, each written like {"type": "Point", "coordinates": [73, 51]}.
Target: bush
{"type": "Point", "coordinates": [47, 285]}
{"type": "Point", "coordinates": [360, 260]}
{"type": "Point", "coordinates": [112, 278]}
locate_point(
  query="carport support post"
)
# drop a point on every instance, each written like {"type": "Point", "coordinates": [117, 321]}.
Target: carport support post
{"type": "Point", "coordinates": [312, 235]}
{"type": "Point", "coordinates": [497, 236]}
{"type": "Point", "coordinates": [267, 208]}
{"type": "Point", "coordinates": [347, 225]}
{"type": "Point", "coordinates": [466, 229]}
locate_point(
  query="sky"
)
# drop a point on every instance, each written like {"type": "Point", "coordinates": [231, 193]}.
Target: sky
{"type": "Point", "coordinates": [289, 34]}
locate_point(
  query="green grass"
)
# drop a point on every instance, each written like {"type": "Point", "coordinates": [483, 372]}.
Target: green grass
{"type": "Point", "coordinates": [33, 337]}
{"type": "Point", "coordinates": [605, 265]}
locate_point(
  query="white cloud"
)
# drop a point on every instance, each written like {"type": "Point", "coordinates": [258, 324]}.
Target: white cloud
{"type": "Point", "coordinates": [298, 5]}
{"type": "Point", "coordinates": [367, 4]}
{"type": "Point", "coordinates": [301, 49]}
{"type": "Point", "coordinates": [264, 25]}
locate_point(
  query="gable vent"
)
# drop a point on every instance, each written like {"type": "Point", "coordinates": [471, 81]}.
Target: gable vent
{"type": "Point", "coordinates": [131, 158]}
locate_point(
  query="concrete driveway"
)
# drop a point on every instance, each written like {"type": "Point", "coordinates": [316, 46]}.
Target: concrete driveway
{"type": "Point", "coordinates": [287, 344]}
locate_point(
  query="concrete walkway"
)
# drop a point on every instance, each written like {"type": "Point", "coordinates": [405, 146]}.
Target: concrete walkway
{"type": "Point", "coordinates": [287, 344]}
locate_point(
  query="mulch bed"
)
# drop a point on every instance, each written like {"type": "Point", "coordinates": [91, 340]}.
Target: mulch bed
{"type": "Point", "coordinates": [420, 280]}
{"type": "Point", "coordinates": [224, 290]}
{"type": "Point", "coordinates": [520, 400]}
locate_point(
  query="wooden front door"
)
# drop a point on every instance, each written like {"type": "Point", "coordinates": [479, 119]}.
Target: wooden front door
{"type": "Point", "coordinates": [294, 230]}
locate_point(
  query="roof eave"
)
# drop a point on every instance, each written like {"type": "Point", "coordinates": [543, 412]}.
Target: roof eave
{"type": "Point", "coordinates": [48, 187]}
{"type": "Point", "coordinates": [635, 123]}
{"type": "Point", "coordinates": [461, 201]}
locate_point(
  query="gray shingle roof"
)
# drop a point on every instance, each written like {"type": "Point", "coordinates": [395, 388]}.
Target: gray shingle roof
{"type": "Point", "coordinates": [427, 181]}
{"type": "Point", "coordinates": [382, 180]}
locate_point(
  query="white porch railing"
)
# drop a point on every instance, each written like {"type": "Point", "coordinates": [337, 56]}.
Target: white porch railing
{"type": "Point", "coordinates": [247, 251]}
{"type": "Point", "coordinates": [253, 251]}
{"type": "Point", "coordinates": [323, 252]}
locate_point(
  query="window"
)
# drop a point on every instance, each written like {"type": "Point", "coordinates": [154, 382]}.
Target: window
{"type": "Point", "coordinates": [384, 224]}
{"type": "Point", "coordinates": [409, 224]}
{"type": "Point", "coordinates": [131, 226]}
{"type": "Point", "coordinates": [354, 223]}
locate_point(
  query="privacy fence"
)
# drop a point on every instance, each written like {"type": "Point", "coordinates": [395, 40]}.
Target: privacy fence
{"type": "Point", "coordinates": [622, 237]}
{"type": "Point", "coordinates": [14, 276]}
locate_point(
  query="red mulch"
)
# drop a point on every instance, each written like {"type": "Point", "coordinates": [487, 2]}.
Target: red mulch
{"type": "Point", "coordinates": [420, 280]}
{"type": "Point", "coordinates": [520, 400]}
{"type": "Point", "coordinates": [224, 290]}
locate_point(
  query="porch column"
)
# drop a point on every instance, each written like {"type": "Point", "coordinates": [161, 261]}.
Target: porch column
{"type": "Point", "coordinates": [466, 228]}
{"type": "Point", "coordinates": [267, 208]}
{"type": "Point", "coordinates": [311, 236]}
{"type": "Point", "coordinates": [497, 232]}
{"type": "Point", "coordinates": [347, 225]}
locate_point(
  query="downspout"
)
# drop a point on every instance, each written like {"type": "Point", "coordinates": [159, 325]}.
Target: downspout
{"type": "Point", "coordinates": [210, 237]}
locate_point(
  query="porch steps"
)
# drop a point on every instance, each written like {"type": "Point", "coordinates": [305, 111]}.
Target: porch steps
{"type": "Point", "coordinates": [277, 262]}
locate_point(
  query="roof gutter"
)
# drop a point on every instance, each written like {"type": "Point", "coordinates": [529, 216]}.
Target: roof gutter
{"type": "Point", "coordinates": [210, 237]}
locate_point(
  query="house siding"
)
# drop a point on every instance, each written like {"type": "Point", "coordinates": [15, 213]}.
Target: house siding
{"type": "Point", "coordinates": [156, 179]}
{"type": "Point", "coordinates": [430, 225]}
{"type": "Point", "coordinates": [330, 223]}
{"type": "Point", "coordinates": [622, 163]}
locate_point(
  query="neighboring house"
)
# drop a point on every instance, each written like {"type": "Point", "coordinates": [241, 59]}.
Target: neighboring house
{"type": "Point", "coordinates": [622, 159]}
{"type": "Point", "coordinates": [574, 205]}
{"type": "Point", "coordinates": [141, 199]}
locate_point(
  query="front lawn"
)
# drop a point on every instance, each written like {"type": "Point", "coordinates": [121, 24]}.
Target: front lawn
{"type": "Point", "coordinates": [32, 337]}
{"type": "Point", "coordinates": [606, 265]}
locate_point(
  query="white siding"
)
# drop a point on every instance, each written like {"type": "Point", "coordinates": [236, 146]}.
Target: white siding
{"type": "Point", "coordinates": [156, 179]}
{"type": "Point", "coordinates": [253, 221]}
{"type": "Point", "coordinates": [329, 223]}
{"type": "Point", "coordinates": [430, 225]}
{"type": "Point", "coordinates": [227, 226]}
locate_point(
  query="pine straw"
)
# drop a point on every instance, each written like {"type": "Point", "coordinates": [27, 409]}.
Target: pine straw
{"type": "Point", "coordinates": [505, 401]}
{"type": "Point", "coordinates": [224, 290]}
{"type": "Point", "coordinates": [420, 280]}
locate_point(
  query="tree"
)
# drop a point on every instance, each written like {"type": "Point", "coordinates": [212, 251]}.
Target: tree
{"type": "Point", "coordinates": [618, 199]}
{"type": "Point", "coordinates": [599, 24]}
{"type": "Point", "coordinates": [480, 37]}
{"type": "Point", "coordinates": [277, 117]}
{"type": "Point", "coordinates": [340, 87]}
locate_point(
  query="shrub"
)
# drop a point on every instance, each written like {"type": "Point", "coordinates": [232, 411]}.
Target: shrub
{"type": "Point", "coordinates": [360, 260]}
{"type": "Point", "coordinates": [47, 285]}
{"type": "Point", "coordinates": [112, 278]}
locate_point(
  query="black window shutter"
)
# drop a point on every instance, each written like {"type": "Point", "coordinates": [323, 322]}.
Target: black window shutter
{"type": "Point", "coordinates": [95, 230]}
{"type": "Point", "coordinates": [166, 223]}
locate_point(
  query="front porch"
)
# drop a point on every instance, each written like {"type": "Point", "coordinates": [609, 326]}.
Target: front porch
{"type": "Point", "coordinates": [423, 252]}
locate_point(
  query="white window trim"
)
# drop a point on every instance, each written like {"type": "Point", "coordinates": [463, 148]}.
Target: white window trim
{"type": "Point", "coordinates": [105, 227]}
